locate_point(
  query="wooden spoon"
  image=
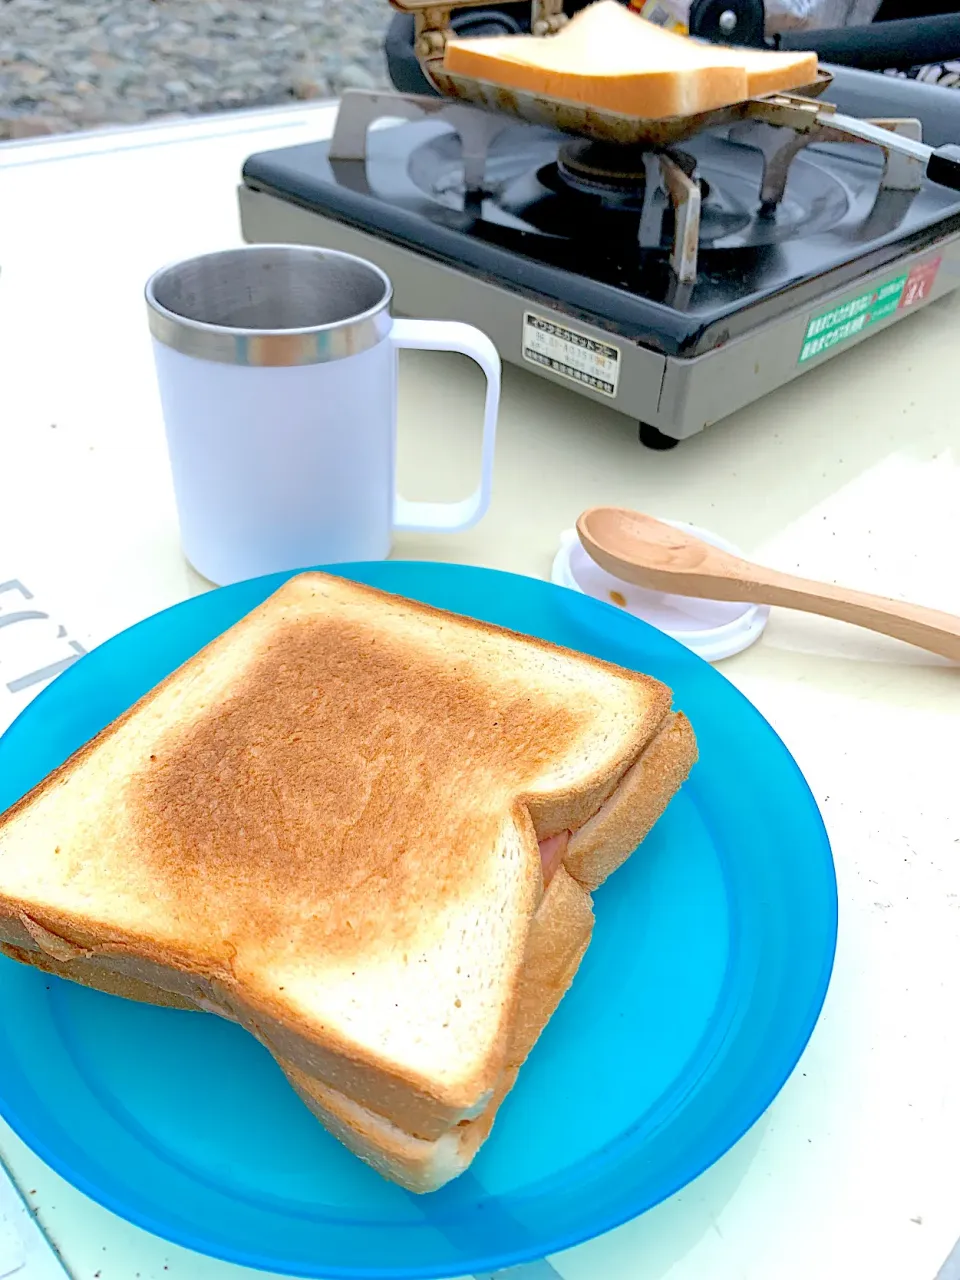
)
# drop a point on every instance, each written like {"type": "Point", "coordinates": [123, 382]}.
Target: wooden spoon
{"type": "Point", "coordinates": [642, 550]}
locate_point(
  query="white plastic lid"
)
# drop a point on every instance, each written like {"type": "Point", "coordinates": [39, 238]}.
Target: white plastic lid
{"type": "Point", "coordinates": [712, 629]}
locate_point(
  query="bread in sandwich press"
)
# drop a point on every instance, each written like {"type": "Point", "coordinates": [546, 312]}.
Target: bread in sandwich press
{"type": "Point", "coordinates": [327, 826]}
{"type": "Point", "coordinates": [611, 59]}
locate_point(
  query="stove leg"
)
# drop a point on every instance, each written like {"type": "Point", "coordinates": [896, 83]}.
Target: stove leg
{"type": "Point", "coordinates": [653, 438]}
{"type": "Point", "coordinates": [650, 233]}
{"type": "Point", "coordinates": [900, 172]}
{"type": "Point", "coordinates": [683, 190]}
{"type": "Point", "coordinates": [360, 108]}
{"type": "Point", "coordinates": [779, 147]}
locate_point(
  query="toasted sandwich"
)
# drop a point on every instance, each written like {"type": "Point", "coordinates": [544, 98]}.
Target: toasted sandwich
{"type": "Point", "coordinates": [367, 831]}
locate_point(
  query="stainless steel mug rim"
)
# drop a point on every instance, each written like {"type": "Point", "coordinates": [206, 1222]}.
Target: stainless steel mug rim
{"type": "Point", "coordinates": [279, 347]}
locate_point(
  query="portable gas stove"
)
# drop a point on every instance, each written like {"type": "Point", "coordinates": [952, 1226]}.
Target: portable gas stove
{"type": "Point", "coordinates": [676, 279]}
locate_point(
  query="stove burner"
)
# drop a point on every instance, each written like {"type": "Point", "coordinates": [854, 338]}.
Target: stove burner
{"type": "Point", "coordinates": [598, 165]}
{"type": "Point", "coordinates": [605, 169]}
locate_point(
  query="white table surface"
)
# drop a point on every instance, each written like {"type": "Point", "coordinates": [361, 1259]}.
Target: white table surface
{"type": "Point", "coordinates": [850, 474]}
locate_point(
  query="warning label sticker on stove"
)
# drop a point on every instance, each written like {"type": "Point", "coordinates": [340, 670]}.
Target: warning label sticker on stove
{"type": "Point", "coordinates": [830, 328]}
{"type": "Point", "coordinates": [840, 324]}
{"type": "Point", "coordinates": [571, 354]}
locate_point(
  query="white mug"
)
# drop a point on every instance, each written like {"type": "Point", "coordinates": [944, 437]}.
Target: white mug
{"type": "Point", "coordinates": [277, 369]}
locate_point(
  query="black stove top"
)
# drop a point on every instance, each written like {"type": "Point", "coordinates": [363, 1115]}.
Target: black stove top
{"type": "Point", "coordinates": [586, 226]}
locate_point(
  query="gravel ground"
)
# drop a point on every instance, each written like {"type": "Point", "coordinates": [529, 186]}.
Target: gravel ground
{"type": "Point", "coordinates": [77, 64]}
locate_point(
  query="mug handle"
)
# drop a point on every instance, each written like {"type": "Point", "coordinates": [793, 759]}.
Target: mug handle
{"type": "Point", "coordinates": [450, 335]}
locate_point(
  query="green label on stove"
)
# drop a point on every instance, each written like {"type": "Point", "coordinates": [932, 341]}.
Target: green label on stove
{"type": "Point", "coordinates": [841, 323]}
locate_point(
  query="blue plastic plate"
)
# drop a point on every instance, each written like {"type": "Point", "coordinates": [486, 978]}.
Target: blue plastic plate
{"type": "Point", "coordinates": [707, 971]}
